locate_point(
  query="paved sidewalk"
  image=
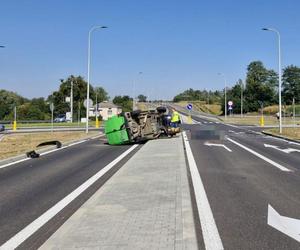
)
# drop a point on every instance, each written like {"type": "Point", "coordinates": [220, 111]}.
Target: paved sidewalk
{"type": "Point", "coordinates": [145, 205]}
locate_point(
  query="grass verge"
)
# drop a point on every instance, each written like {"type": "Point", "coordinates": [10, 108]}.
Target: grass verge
{"type": "Point", "coordinates": [16, 144]}
{"type": "Point", "coordinates": [291, 133]}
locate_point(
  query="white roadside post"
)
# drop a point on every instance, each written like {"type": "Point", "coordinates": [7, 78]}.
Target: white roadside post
{"type": "Point", "coordinates": [279, 75]}
{"type": "Point", "coordinates": [88, 73]}
{"type": "Point", "coordinates": [52, 110]}
{"type": "Point", "coordinates": [71, 101]}
{"type": "Point", "coordinates": [225, 94]}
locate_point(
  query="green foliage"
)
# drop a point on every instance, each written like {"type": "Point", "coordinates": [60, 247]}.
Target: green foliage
{"type": "Point", "coordinates": [8, 100]}
{"type": "Point", "coordinates": [100, 95]}
{"type": "Point", "coordinates": [291, 84]}
{"type": "Point", "coordinates": [234, 94]}
{"type": "Point", "coordinates": [195, 95]}
{"type": "Point", "coordinates": [79, 95]}
{"type": "Point", "coordinates": [142, 98]}
{"type": "Point", "coordinates": [260, 86]}
{"type": "Point", "coordinates": [39, 108]}
{"type": "Point", "coordinates": [123, 101]}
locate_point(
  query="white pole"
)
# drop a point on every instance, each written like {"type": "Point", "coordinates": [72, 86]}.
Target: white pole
{"type": "Point", "coordinates": [241, 99]}
{"type": "Point", "coordinates": [71, 101]}
{"type": "Point", "coordinates": [96, 104]}
{"type": "Point", "coordinates": [279, 78]}
{"type": "Point", "coordinates": [52, 110]}
{"type": "Point", "coordinates": [294, 112]}
{"type": "Point", "coordinates": [88, 77]}
{"type": "Point", "coordinates": [225, 99]}
{"type": "Point", "coordinates": [279, 75]}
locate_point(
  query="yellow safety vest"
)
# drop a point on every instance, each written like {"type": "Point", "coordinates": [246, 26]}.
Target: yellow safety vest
{"type": "Point", "coordinates": [175, 117]}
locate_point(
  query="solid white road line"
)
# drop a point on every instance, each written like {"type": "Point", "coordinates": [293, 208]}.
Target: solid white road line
{"type": "Point", "coordinates": [49, 152]}
{"type": "Point", "coordinates": [212, 239]}
{"type": "Point", "coordinates": [25, 233]}
{"type": "Point", "coordinates": [275, 164]}
{"type": "Point", "coordinates": [14, 162]}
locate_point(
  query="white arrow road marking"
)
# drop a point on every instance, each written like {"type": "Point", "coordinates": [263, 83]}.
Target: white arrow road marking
{"type": "Point", "coordinates": [217, 145]}
{"type": "Point", "coordinates": [275, 164]}
{"type": "Point", "coordinates": [211, 236]}
{"type": "Point", "coordinates": [287, 150]}
{"type": "Point", "coordinates": [286, 225]}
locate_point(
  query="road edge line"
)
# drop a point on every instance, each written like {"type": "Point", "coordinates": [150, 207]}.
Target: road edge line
{"type": "Point", "coordinates": [30, 229]}
{"type": "Point", "coordinates": [275, 164]}
{"type": "Point", "coordinates": [46, 152]}
{"type": "Point", "coordinates": [211, 237]}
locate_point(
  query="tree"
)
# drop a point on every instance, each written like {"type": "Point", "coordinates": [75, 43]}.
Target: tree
{"type": "Point", "coordinates": [291, 84]}
{"type": "Point", "coordinates": [101, 94]}
{"type": "Point", "coordinates": [196, 95]}
{"type": "Point", "coordinates": [79, 95]}
{"type": "Point", "coordinates": [123, 101]}
{"type": "Point", "coordinates": [260, 86]}
{"type": "Point", "coordinates": [234, 95]}
{"type": "Point", "coordinates": [142, 98]}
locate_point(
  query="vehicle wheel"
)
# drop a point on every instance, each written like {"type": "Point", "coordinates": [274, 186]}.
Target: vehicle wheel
{"type": "Point", "coordinates": [161, 109]}
{"type": "Point", "coordinates": [135, 113]}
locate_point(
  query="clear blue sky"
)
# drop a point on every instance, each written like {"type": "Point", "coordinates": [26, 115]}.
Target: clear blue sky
{"type": "Point", "coordinates": [176, 44]}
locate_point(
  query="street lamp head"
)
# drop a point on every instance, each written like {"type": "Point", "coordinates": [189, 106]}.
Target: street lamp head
{"type": "Point", "coordinates": [104, 27]}
{"type": "Point", "coordinates": [1, 46]}
{"type": "Point", "coordinates": [265, 29]}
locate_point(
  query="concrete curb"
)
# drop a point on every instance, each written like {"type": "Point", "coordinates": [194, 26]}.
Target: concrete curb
{"type": "Point", "coordinates": [46, 149]}
{"type": "Point", "coordinates": [279, 136]}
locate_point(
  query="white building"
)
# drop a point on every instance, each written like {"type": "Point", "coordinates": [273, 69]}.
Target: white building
{"type": "Point", "coordinates": [106, 110]}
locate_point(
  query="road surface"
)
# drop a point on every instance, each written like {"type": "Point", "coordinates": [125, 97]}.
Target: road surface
{"type": "Point", "coordinates": [30, 188]}
{"type": "Point", "coordinates": [244, 173]}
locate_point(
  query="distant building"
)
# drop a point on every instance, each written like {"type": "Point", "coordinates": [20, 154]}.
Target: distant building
{"type": "Point", "coordinates": [106, 110]}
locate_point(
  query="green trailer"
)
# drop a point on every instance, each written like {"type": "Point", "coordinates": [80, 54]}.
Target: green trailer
{"type": "Point", "coordinates": [115, 131]}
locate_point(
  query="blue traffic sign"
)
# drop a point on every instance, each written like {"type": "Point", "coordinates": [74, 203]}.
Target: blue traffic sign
{"type": "Point", "coordinates": [189, 106]}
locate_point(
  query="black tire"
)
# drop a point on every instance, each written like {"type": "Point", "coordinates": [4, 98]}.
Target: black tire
{"type": "Point", "coordinates": [161, 109]}
{"type": "Point", "coordinates": [135, 113]}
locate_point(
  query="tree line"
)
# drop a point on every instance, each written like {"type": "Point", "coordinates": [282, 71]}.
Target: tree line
{"type": "Point", "coordinates": [39, 108]}
{"type": "Point", "coordinates": [259, 90]}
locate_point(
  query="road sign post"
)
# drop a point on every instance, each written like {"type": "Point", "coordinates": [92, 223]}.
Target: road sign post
{"type": "Point", "coordinates": [189, 108]}
{"type": "Point", "coordinates": [52, 110]}
{"type": "Point", "coordinates": [230, 106]}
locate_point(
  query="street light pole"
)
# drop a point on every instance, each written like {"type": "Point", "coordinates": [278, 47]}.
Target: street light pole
{"type": "Point", "coordinates": [242, 89]}
{"type": "Point", "coordinates": [133, 97]}
{"type": "Point", "coordinates": [88, 77]}
{"type": "Point", "coordinates": [225, 95]}
{"type": "Point", "coordinates": [279, 75]}
{"type": "Point", "coordinates": [71, 101]}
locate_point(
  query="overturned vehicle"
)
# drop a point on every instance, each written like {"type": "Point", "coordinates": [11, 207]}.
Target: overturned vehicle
{"type": "Point", "coordinates": [137, 126]}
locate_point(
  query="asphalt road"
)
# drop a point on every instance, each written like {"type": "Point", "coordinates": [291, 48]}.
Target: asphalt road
{"type": "Point", "coordinates": [241, 177]}
{"type": "Point", "coordinates": [30, 188]}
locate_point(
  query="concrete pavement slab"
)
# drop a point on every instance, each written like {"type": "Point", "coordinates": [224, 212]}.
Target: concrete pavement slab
{"type": "Point", "coordinates": [145, 205]}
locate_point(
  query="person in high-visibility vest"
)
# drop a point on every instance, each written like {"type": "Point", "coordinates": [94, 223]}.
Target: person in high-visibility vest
{"type": "Point", "coordinates": [175, 119]}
